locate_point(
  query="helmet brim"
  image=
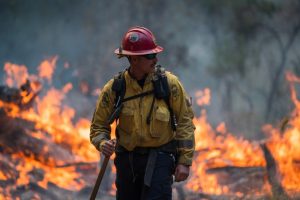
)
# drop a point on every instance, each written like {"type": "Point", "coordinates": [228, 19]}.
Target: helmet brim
{"type": "Point", "coordinates": [123, 52]}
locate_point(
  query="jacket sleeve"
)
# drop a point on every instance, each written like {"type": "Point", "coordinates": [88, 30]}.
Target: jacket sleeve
{"type": "Point", "coordinates": [182, 108]}
{"type": "Point", "coordinates": [100, 128]}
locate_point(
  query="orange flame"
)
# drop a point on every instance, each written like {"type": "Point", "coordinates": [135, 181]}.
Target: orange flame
{"type": "Point", "coordinates": [203, 97]}
{"type": "Point", "coordinates": [47, 67]}
{"type": "Point", "coordinates": [215, 147]}
{"type": "Point", "coordinates": [16, 75]}
{"type": "Point", "coordinates": [285, 142]}
{"type": "Point", "coordinates": [52, 116]}
{"type": "Point", "coordinates": [218, 150]}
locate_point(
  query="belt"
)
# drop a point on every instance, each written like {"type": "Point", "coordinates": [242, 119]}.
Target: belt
{"type": "Point", "coordinates": [170, 147]}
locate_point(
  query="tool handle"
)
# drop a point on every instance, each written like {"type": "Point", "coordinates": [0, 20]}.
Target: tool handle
{"type": "Point", "coordinates": [99, 178]}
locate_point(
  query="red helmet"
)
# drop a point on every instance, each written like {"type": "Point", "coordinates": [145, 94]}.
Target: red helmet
{"type": "Point", "coordinates": [138, 41]}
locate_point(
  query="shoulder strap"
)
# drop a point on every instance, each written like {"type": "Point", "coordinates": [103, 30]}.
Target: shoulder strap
{"type": "Point", "coordinates": [119, 86]}
{"type": "Point", "coordinates": [160, 83]}
{"type": "Point", "coordinates": [162, 91]}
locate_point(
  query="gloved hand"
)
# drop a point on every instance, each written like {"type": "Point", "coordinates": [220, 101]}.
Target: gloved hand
{"type": "Point", "coordinates": [182, 172]}
{"type": "Point", "coordinates": [108, 147]}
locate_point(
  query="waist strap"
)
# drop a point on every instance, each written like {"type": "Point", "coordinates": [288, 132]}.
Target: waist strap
{"type": "Point", "coordinates": [170, 147]}
{"type": "Point", "coordinates": [150, 167]}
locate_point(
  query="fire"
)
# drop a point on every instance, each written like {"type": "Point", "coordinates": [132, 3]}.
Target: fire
{"type": "Point", "coordinates": [58, 176]}
{"type": "Point", "coordinates": [203, 97]}
{"type": "Point", "coordinates": [218, 148]}
{"type": "Point", "coordinates": [2, 176]}
{"type": "Point", "coordinates": [50, 115]}
{"type": "Point", "coordinates": [16, 75]}
{"type": "Point", "coordinates": [215, 147]}
{"type": "Point", "coordinates": [47, 67]}
{"type": "Point", "coordinates": [284, 142]}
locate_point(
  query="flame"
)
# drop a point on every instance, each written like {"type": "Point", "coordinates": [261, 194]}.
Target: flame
{"type": "Point", "coordinates": [16, 75]}
{"type": "Point", "coordinates": [11, 109]}
{"type": "Point", "coordinates": [284, 142]}
{"type": "Point", "coordinates": [2, 176]}
{"type": "Point", "coordinates": [63, 177]}
{"type": "Point", "coordinates": [286, 151]}
{"type": "Point", "coordinates": [203, 97]}
{"type": "Point", "coordinates": [47, 67]}
{"type": "Point", "coordinates": [215, 147]}
{"type": "Point", "coordinates": [49, 115]}
{"type": "Point", "coordinates": [218, 149]}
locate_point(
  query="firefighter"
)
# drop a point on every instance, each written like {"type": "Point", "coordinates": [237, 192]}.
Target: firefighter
{"type": "Point", "coordinates": [155, 131]}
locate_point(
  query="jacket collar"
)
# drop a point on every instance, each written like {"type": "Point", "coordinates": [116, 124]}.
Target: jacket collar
{"type": "Point", "coordinates": [130, 79]}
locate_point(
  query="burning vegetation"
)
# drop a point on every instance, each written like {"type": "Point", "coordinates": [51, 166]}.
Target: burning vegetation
{"type": "Point", "coordinates": [42, 150]}
{"type": "Point", "coordinates": [44, 154]}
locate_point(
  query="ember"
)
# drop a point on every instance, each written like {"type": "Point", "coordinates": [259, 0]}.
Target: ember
{"type": "Point", "coordinates": [45, 155]}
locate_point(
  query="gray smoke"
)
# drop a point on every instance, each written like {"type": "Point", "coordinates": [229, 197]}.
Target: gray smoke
{"type": "Point", "coordinates": [230, 47]}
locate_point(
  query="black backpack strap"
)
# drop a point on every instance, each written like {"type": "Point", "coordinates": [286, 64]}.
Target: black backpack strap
{"type": "Point", "coordinates": [162, 91]}
{"type": "Point", "coordinates": [119, 87]}
{"type": "Point", "coordinates": [172, 115]}
{"type": "Point", "coordinates": [167, 101]}
{"type": "Point", "coordinates": [137, 96]}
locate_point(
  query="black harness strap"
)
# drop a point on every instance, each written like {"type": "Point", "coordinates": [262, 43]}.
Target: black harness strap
{"type": "Point", "coordinates": [119, 86]}
{"type": "Point", "coordinates": [172, 115]}
{"type": "Point", "coordinates": [161, 91]}
{"type": "Point", "coordinates": [137, 96]}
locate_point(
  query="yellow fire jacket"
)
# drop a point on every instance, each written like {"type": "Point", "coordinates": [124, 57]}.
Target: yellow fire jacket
{"type": "Point", "coordinates": [133, 130]}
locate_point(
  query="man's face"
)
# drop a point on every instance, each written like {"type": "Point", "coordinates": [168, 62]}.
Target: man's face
{"type": "Point", "coordinates": [146, 63]}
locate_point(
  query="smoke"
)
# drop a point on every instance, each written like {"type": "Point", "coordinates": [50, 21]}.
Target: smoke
{"type": "Point", "coordinates": [84, 34]}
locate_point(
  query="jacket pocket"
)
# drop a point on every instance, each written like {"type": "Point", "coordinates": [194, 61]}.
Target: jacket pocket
{"type": "Point", "coordinates": [160, 122]}
{"type": "Point", "coordinates": [126, 120]}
